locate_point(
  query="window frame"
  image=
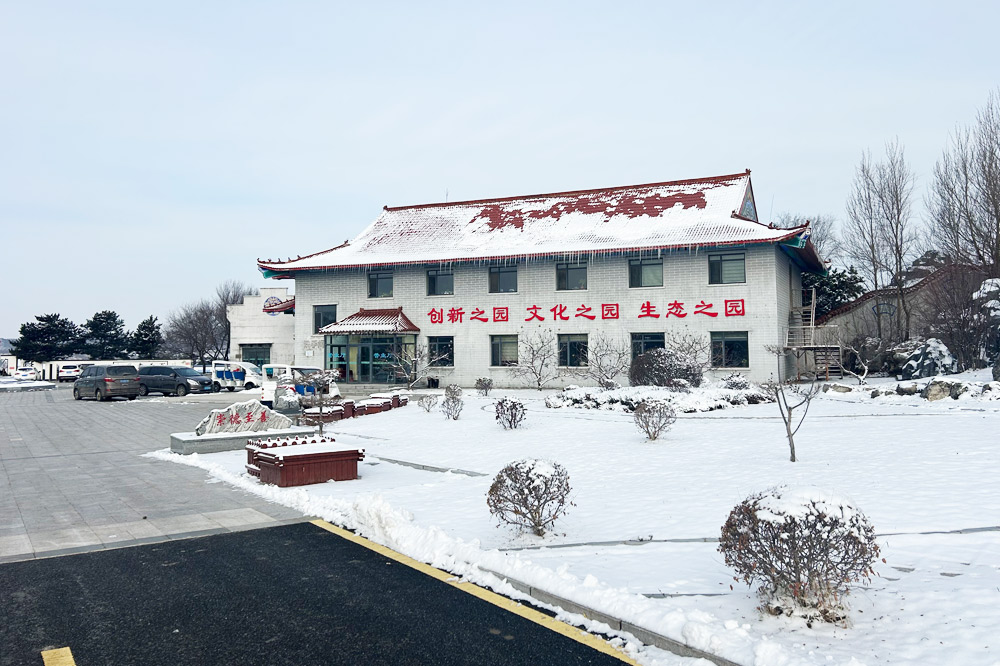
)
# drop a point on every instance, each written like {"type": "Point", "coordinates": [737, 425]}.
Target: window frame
{"type": "Point", "coordinates": [565, 345]}
{"type": "Point", "coordinates": [497, 343]}
{"type": "Point", "coordinates": [640, 262]}
{"type": "Point", "coordinates": [719, 259]}
{"type": "Point", "coordinates": [373, 283]}
{"type": "Point", "coordinates": [435, 341]}
{"type": "Point", "coordinates": [563, 271]}
{"type": "Point", "coordinates": [316, 317]}
{"type": "Point", "coordinates": [498, 271]}
{"type": "Point", "coordinates": [432, 278]}
{"type": "Point", "coordinates": [645, 347]}
{"type": "Point", "coordinates": [724, 337]}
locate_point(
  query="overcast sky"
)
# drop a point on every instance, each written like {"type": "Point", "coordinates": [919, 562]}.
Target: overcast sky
{"type": "Point", "coordinates": [150, 151]}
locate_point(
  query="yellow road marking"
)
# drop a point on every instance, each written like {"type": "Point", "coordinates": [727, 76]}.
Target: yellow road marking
{"type": "Point", "coordinates": [58, 657]}
{"type": "Point", "coordinates": [509, 605]}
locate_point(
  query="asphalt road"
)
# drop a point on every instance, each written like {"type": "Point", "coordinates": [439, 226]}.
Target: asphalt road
{"type": "Point", "coordinates": [294, 594]}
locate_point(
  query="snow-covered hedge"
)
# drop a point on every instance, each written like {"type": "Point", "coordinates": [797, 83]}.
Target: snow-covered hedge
{"type": "Point", "coordinates": [625, 399]}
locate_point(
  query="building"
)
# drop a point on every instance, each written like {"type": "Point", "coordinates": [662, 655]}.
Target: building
{"type": "Point", "coordinates": [474, 282]}
{"type": "Point", "coordinates": [262, 328]}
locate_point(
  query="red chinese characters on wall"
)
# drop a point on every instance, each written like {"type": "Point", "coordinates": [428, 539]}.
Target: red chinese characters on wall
{"type": "Point", "coordinates": [561, 312]}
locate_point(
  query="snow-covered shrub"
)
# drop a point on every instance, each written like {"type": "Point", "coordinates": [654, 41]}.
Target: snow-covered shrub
{"type": "Point", "coordinates": [804, 547]}
{"type": "Point", "coordinates": [736, 382]}
{"type": "Point", "coordinates": [510, 413]}
{"type": "Point", "coordinates": [608, 384]}
{"type": "Point", "coordinates": [484, 385]}
{"type": "Point", "coordinates": [625, 399]}
{"type": "Point", "coordinates": [932, 358]}
{"type": "Point", "coordinates": [428, 402]}
{"type": "Point", "coordinates": [665, 367]}
{"type": "Point", "coordinates": [653, 417]}
{"type": "Point", "coordinates": [452, 391]}
{"type": "Point", "coordinates": [452, 407]}
{"type": "Point", "coordinates": [530, 494]}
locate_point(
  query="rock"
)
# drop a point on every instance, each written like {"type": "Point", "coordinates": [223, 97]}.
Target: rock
{"type": "Point", "coordinates": [958, 388]}
{"type": "Point", "coordinates": [836, 388]}
{"type": "Point", "coordinates": [912, 389]}
{"type": "Point", "coordinates": [250, 416]}
{"type": "Point", "coordinates": [940, 389]}
{"type": "Point", "coordinates": [996, 372]}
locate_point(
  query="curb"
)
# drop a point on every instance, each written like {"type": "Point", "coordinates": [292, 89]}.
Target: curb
{"type": "Point", "coordinates": [646, 636]}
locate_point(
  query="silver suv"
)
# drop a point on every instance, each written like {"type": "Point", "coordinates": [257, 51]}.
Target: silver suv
{"type": "Point", "coordinates": [106, 381]}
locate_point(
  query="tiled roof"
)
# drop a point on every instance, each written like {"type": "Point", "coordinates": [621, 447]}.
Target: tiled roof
{"type": "Point", "coordinates": [679, 214]}
{"type": "Point", "coordinates": [280, 306]}
{"type": "Point", "coordinates": [372, 321]}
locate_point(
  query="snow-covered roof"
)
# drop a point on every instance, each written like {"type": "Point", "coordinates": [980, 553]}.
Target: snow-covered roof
{"type": "Point", "coordinates": [679, 214]}
{"type": "Point", "coordinates": [391, 320]}
{"type": "Point", "coordinates": [275, 304]}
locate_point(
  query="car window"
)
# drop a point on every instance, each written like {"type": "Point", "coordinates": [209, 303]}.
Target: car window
{"type": "Point", "coordinates": [120, 370]}
{"type": "Point", "coordinates": [186, 372]}
{"type": "Point", "coordinates": [69, 367]}
{"type": "Point", "coordinates": [146, 371]}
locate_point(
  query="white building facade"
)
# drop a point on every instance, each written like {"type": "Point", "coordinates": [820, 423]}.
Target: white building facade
{"type": "Point", "coordinates": [262, 328]}
{"type": "Point", "coordinates": [475, 282]}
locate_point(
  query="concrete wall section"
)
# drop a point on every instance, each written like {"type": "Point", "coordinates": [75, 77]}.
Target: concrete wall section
{"type": "Point", "coordinates": [249, 324]}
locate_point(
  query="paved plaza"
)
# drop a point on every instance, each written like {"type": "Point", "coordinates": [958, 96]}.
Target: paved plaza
{"type": "Point", "coordinates": [73, 479]}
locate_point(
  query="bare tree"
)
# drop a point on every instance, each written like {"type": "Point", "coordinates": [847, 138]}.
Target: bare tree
{"type": "Point", "coordinates": [958, 318]}
{"type": "Point", "coordinates": [823, 232]}
{"type": "Point", "coordinates": [230, 292]}
{"type": "Point", "coordinates": [964, 197]}
{"type": "Point", "coordinates": [194, 331]}
{"type": "Point", "coordinates": [607, 358]}
{"type": "Point", "coordinates": [865, 353]}
{"type": "Point", "coordinates": [320, 382]}
{"type": "Point", "coordinates": [413, 362]}
{"type": "Point", "coordinates": [537, 358]}
{"type": "Point", "coordinates": [790, 398]}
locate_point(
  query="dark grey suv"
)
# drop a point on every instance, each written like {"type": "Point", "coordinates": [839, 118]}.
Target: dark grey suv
{"type": "Point", "coordinates": [176, 379]}
{"type": "Point", "coordinates": [106, 381]}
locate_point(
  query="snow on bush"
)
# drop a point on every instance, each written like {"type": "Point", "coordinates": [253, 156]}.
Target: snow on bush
{"type": "Point", "coordinates": [653, 417]}
{"type": "Point", "coordinates": [510, 413]}
{"type": "Point", "coordinates": [736, 382]}
{"type": "Point", "coordinates": [928, 360]}
{"type": "Point", "coordinates": [452, 407]}
{"type": "Point", "coordinates": [804, 547]}
{"type": "Point", "coordinates": [484, 385]}
{"type": "Point", "coordinates": [665, 367]}
{"type": "Point", "coordinates": [428, 402]}
{"type": "Point", "coordinates": [452, 391]}
{"type": "Point", "coordinates": [530, 494]}
{"type": "Point", "coordinates": [625, 399]}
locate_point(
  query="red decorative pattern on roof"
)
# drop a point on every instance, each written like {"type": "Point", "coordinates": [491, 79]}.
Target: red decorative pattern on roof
{"type": "Point", "coordinates": [677, 214]}
{"type": "Point", "coordinates": [391, 320]}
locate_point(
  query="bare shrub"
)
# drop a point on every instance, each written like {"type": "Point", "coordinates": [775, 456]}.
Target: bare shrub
{"type": "Point", "coordinates": [530, 494]}
{"type": "Point", "coordinates": [452, 407]}
{"type": "Point", "coordinates": [452, 391]}
{"type": "Point", "coordinates": [538, 358]}
{"type": "Point", "coordinates": [510, 413]}
{"type": "Point", "coordinates": [428, 402]}
{"type": "Point", "coordinates": [803, 547]}
{"type": "Point", "coordinates": [654, 417]}
{"type": "Point", "coordinates": [665, 367]}
{"type": "Point", "coordinates": [607, 358]}
{"type": "Point", "coordinates": [484, 385]}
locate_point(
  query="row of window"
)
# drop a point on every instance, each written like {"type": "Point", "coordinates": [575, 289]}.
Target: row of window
{"type": "Point", "coordinates": [729, 268]}
{"type": "Point", "coordinates": [730, 349]}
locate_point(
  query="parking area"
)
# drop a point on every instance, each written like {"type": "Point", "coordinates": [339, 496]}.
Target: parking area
{"type": "Point", "coordinates": [72, 475]}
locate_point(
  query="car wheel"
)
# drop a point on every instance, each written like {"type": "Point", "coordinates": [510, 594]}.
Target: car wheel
{"type": "Point", "coordinates": [181, 390]}
{"type": "Point", "coordinates": [250, 386]}
{"type": "Point", "coordinates": [143, 391]}
{"type": "Point", "coordinates": [99, 395]}
{"type": "Point", "coordinates": [230, 388]}
{"type": "Point", "coordinates": [76, 393]}
{"type": "Point", "coordinates": [132, 397]}
{"type": "Point", "coordinates": [216, 387]}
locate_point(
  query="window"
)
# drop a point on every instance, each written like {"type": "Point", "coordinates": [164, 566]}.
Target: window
{"type": "Point", "coordinates": [324, 315]}
{"type": "Point", "coordinates": [440, 282]}
{"type": "Point", "coordinates": [727, 268]}
{"type": "Point", "coordinates": [503, 279]}
{"type": "Point", "coordinates": [573, 350]}
{"type": "Point", "coordinates": [441, 350]}
{"type": "Point", "coordinates": [380, 285]}
{"type": "Point", "coordinates": [260, 354]}
{"type": "Point", "coordinates": [503, 350]}
{"type": "Point", "coordinates": [571, 276]}
{"type": "Point", "coordinates": [730, 350]}
{"type": "Point", "coordinates": [643, 342]}
{"type": "Point", "coordinates": [645, 273]}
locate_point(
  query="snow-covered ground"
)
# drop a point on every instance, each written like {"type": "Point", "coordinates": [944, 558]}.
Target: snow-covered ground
{"type": "Point", "coordinates": [921, 471]}
{"type": "Point", "coordinates": [8, 382]}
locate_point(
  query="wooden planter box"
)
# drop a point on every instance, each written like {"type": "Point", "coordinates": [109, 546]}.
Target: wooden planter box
{"type": "Point", "coordinates": [284, 469]}
{"type": "Point", "coordinates": [255, 446]}
{"type": "Point", "coordinates": [348, 406]}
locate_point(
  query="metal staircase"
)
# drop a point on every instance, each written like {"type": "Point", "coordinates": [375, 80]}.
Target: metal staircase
{"type": "Point", "coordinates": [807, 340]}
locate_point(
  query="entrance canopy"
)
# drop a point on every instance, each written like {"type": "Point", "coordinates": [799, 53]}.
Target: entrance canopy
{"type": "Point", "coordinates": [372, 321]}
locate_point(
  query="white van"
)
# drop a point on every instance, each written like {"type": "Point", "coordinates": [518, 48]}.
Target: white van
{"type": "Point", "coordinates": [274, 373]}
{"type": "Point", "coordinates": [232, 375]}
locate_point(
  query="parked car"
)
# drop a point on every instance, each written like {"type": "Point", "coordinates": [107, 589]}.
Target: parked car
{"type": "Point", "coordinates": [69, 373]}
{"type": "Point", "coordinates": [29, 374]}
{"type": "Point", "coordinates": [106, 381]}
{"type": "Point", "coordinates": [177, 379]}
{"type": "Point", "coordinates": [232, 375]}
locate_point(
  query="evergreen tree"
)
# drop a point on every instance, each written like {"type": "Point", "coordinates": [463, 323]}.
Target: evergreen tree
{"type": "Point", "coordinates": [104, 336]}
{"type": "Point", "coordinates": [836, 288]}
{"type": "Point", "coordinates": [51, 338]}
{"type": "Point", "coordinates": [146, 339]}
